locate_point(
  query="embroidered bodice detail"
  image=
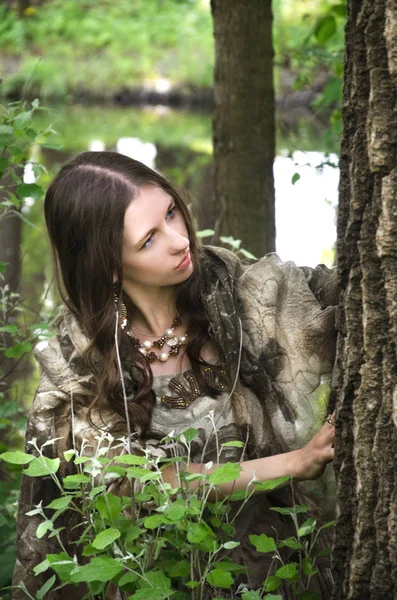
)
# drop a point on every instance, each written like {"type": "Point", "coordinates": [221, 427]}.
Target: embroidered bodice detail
{"type": "Point", "coordinates": [187, 389]}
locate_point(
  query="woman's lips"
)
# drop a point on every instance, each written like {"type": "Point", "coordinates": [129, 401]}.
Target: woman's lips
{"type": "Point", "coordinates": [185, 263]}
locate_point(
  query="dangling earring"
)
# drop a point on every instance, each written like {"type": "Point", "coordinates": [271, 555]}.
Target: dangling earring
{"type": "Point", "coordinates": [123, 312]}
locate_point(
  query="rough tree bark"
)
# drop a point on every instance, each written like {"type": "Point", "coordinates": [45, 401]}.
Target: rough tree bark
{"type": "Point", "coordinates": [365, 554]}
{"type": "Point", "coordinates": [243, 127]}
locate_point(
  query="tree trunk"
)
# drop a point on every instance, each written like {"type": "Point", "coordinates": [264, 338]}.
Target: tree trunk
{"type": "Point", "coordinates": [10, 244]}
{"type": "Point", "coordinates": [365, 555]}
{"type": "Point", "coordinates": [244, 123]}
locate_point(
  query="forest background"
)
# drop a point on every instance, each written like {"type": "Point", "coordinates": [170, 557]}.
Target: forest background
{"type": "Point", "coordinates": [110, 70]}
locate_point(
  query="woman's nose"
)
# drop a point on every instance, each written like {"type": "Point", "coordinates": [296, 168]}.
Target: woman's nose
{"type": "Point", "coordinates": [179, 242]}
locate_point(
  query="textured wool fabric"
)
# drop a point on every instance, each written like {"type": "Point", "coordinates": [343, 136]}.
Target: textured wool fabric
{"type": "Point", "coordinates": [274, 324]}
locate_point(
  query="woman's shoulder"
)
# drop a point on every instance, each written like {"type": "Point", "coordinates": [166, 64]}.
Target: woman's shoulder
{"type": "Point", "coordinates": [60, 357]}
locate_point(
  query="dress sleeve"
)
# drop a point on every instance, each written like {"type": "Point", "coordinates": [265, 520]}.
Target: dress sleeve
{"type": "Point", "coordinates": [323, 282]}
{"type": "Point", "coordinates": [49, 406]}
{"type": "Point", "coordinates": [288, 322]}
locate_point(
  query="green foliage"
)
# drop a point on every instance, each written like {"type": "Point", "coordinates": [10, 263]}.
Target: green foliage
{"type": "Point", "coordinates": [309, 43]}
{"type": "Point", "coordinates": [163, 542]}
{"type": "Point", "coordinates": [20, 327]}
{"type": "Point", "coordinates": [115, 44]}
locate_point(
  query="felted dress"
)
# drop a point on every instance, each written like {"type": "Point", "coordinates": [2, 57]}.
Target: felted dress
{"type": "Point", "coordinates": [274, 325]}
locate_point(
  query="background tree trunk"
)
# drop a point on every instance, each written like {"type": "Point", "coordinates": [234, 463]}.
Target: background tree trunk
{"type": "Point", "coordinates": [244, 123]}
{"type": "Point", "coordinates": [10, 246]}
{"type": "Point", "coordinates": [365, 555]}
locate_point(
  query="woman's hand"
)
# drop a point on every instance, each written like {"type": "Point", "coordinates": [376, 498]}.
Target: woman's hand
{"type": "Point", "coordinates": [311, 460]}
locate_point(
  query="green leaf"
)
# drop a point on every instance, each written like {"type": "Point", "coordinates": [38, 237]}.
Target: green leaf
{"type": "Point", "coordinates": [230, 545]}
{"type": "Point", "coordinates": [42, 466]}
{"type": "Point", "coordinates": [205, 233]}
{"type": "Point", "coordinates": [290, 542]}
{"type": "Point", "coordinates": [178, 568]}
{"type": "Point", "coordinates": [6, 129]}
{"type": "Point", "coordinates": [193, 584]}
{"type": "Point", "coordinates": [101, 568]}
{"type": "Point", "coordinates": [235, 244]}
{"type": "Point", "coordinates": [189, 435]}
{"type": "Point", "coordinates": [29, 190]}
{"type": "Point", "coordinates": [175, 511]}
{"type": "Point", "coordinates": [131, 459]}
{"type": "Point", "coordinates": [220, 578]}
{"type": "Point", "coordinates": [307, 566]}
{"type": "Point", "coordinates": [301, 508]}
{"type": "Point", "coordinates": [263, 543]}
{"type": "Point", "coordinates": [62, 564]}
{"type": "Point", "coordinates": [133, 532]}
{"type": "Point", "coordinates": [142, 474]}
{"type": "Point", "coordinates": [225, 473]}
{"type": "Point", "coordinates": [59, 503]}
{"type": "Point", "coordinates": [295, 178]}
{"type": "Point", "coordinates": [13, 329]}
{"type": "Point", "coordinates": [325, 28]}
{"type": "Point", "coordinates": [273, 597]}
{"type": "Point", "coordinates": [156, 579]}
{"type": "Point", "coordinates": [150, 594]}
{"type": "Point", "coordinates": [52, 146]}
{"type": "Point", "coordinates": [238, 496]}
{"type": "Point", "coordinates": [338, 9]}
{"type": "Point", "coordinates": [326, 525]}
{"type": "Point", "coordinates": [81, 460]}
{"type": "Point", "coordinates": [325, 552]}
{"type": "Point", "coordinates": [272, 582]}
{"type": "Point", "coordinates": [105, 538]}
{"type": "Point", "coordinates": [290, 510]}
{"type": "Point", "coordinates": [235, 444]}
{"type": "Point", "coordinates": [307, 527]}
{"type": "Point", "coordinates": [197, 532]}
{"type": "Point", "coordinates": [18, 350]}
{"type": "Point", "coordinates": [270, 484]}
{"type": "Point", "coordinates": [69, 455]}
{"type": "Point", "coordinates": [108, 506]}
{"type": "Point", "coordinates": [246, 253]}
{"type": "Point", "coordinates": [127, 578]}
{"type": "Point", "coordinates": [41, 567]}
{"type": "Point", "coordinates": [155, 521]}
{"type": "Point", "coordinates": [73, 481]}
{"type": "Point", "coordinates": [45, 588]}
{"type": "Point", "coordinates": [251, 596]}
{"type": "Point", "coordinates": [43, 528]}
{"type": "Point", "coordinates": [289, 571]}
{"type": "Point", "coordinates": [227, 565]}
{"type": "Point", "coordinates": [17, 457]}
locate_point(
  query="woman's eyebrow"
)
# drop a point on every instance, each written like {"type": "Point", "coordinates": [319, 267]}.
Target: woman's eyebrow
{"type": "Point", "coordinates": [143, 238]}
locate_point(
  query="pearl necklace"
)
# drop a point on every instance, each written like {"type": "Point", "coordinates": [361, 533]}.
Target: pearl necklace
{"type": "Point", "coordinates": [173, 341]}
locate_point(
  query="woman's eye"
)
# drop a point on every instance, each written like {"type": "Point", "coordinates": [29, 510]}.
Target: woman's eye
{"type": "Point", "coordinates": [148, 241]}
{"type": "Point", "coordinates": [171, 212]}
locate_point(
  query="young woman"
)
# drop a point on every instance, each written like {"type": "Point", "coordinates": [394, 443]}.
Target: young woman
{"type": "Point", "coordinates": [198, 334]}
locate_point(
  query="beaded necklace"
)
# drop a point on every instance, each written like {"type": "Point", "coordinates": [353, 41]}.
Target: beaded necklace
{"type": "Point", "coordinates": [174, 342]}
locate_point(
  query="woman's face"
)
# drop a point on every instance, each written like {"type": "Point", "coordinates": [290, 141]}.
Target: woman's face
{"type": "Point", "coordinates": [155, 242]}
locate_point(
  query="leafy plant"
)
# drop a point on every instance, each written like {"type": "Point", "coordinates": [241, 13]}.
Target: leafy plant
{"type": "Point", "coordinates": [161, 542]}
{"type": "Point", "coordinates": [20, 329]}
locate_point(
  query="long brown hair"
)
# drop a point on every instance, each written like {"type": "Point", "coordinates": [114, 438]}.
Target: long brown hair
{"type": "Point", "coordinates": [84, 211]}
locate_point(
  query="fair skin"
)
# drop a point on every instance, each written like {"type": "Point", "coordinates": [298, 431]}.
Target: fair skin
{"type": "Point", "coordinates": [155, 243]}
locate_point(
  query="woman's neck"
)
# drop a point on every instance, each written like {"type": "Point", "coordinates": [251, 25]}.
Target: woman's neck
{"type": "Point", "coordinates": [154, 312]}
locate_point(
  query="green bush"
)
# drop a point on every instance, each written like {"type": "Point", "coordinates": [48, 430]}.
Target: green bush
{"type": "Point", "coordinates": [160, 542]}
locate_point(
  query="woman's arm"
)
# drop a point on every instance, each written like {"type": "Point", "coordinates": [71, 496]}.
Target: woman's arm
{"type": "Point", "coordinates": [306, 463]}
